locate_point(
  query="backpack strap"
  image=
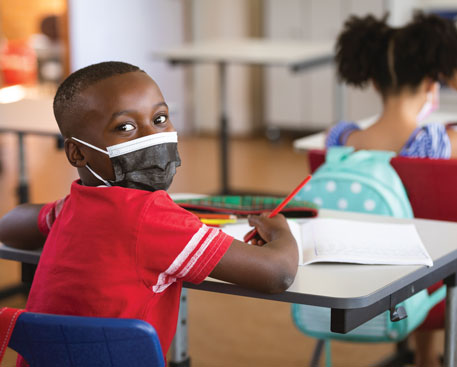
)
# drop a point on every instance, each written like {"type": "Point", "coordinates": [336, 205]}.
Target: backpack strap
{"type": "Point", "coordinates": [338, 154]}
{"type": "Point", "coordinates": [8, 317]}
{"type": "Point", "coordinates": [349, 156]}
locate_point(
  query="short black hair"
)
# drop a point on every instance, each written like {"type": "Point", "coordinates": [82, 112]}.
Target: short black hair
{"type": "Point", "coordinates": [65, 100]}
{"type": "Point", "coordinates": [425, 47]}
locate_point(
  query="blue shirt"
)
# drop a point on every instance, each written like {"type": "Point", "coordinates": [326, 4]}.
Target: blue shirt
{"type": "Point", "coordinates": [428, 141]}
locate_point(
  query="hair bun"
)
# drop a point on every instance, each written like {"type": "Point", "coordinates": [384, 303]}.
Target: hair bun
{"type": "Point", "coordinates": [431, 41]}
{"type": "Point", "coordinates": [361, 47]}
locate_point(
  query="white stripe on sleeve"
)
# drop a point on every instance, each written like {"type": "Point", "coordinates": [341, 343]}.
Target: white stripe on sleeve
{"type": "Point", "coordinates": [169, 276]}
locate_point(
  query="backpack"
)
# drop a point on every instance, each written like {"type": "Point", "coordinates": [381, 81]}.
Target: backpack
{"type": "Point", "coordinates": [364, 182]}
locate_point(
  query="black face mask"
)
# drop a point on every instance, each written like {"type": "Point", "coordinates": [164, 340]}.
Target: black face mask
{"type": "Point", "coordinates": [147, 163]}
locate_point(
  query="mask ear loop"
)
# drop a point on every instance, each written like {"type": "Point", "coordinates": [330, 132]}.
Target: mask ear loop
{"type": "Point", "coordinates": [90, 145]}
{"type": "Point", "coordinates": [96, 175]}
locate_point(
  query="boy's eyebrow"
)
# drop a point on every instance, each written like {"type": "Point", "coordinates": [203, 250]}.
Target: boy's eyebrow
{"type": "Point", "coordinates": [126, 112]}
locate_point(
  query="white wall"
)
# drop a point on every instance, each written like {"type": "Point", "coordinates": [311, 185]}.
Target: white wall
{"type": "Point", "coordinates": [306, 100]}
{"type": "Point", "coordinates": [215, 19]}
{"type": "Point", "coordinates": [103, 30]}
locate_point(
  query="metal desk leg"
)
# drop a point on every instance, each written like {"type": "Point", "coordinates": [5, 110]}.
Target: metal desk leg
{"type": "Point", "coordinates": [450, 344]}
{"type": "Point", "coordinates": [179, 355]}
{"type": "Point", "coordinates": [223, 128]}
{"type": "Point", "coordinates": [23, 195]}
{"type": "Point", "coordinates": [23, 187]}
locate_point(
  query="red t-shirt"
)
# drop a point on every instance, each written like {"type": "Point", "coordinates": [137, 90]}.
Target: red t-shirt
{"type": "Point", "coordinates": [118, 252]}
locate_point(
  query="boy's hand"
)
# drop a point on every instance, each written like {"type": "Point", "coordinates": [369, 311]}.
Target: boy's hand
{"type": "Point", "coordinates": [268, 229]}
{"type": "Point", "coordinates": [268, 268]}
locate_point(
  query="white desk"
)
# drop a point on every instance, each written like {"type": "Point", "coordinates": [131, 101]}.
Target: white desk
{"type": "Point", "coordinates": [34, 116]}
{"type": "Point", "coordinates": [295, 55]}
{"type": "Point", "coordinates": [317, 141]}
{"type": "Point", "coordinates": [27, 116]}
{"type": "Point", "coordinates": [357, 293]}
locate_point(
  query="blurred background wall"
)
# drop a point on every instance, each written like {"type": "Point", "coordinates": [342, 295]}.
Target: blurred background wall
{"type": "Point", "coordinates": [260, 99]}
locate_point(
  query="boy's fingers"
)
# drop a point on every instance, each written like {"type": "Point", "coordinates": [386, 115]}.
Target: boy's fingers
{"type": "Point", "coordinates": [253, 220]}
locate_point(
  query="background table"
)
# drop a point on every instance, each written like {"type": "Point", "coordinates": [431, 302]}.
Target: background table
{"type": "Point", "coordinates": [356, 293]}
{"type": "Point", "coordinates": [317, 141]}
{"type": "Point", "coordinates": [295, 55]}
{"type": "Point", "coordinates": [28, 116]}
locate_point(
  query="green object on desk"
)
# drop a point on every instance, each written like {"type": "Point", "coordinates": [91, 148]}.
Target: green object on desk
{"type": "Point", "coordinates": [243, 205]}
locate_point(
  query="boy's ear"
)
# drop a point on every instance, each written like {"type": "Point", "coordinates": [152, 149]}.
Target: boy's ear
{"type": "Point", "coordinates": [74, 154]}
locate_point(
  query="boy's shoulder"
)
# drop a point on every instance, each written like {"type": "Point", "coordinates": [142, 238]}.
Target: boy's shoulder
{"type": "Point", "coordinates": [118, 196]}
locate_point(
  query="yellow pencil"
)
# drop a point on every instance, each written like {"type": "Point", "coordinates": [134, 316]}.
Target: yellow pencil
{"type": "Point", "coordinates": [217, 221]}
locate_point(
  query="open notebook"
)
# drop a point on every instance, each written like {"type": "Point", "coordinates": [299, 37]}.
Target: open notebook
{"type": "Point", "coordinates": [350, 241]}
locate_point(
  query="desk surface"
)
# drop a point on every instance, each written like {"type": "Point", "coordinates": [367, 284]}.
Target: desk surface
{"type": "Point", "coordinates": [343, 286]}
{"type": "Point", "coordinates": [251, 51]}
{"type": "Point", "coordinates": [317, 141]}
{"type": "Point", "coordinates": [347, 286]}
{"type": "Point", "coordinates": [29, 116]}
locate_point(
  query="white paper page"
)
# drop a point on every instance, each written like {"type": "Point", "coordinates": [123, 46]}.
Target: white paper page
{"type": "Point", "coordinates": [237, 230]}
{"type": "Point", "coordinates": [338, 240]}
{"type": "Point", "coordinates": [352, 241]}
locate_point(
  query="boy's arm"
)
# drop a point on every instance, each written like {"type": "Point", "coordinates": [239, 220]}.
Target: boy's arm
{"type": "Point", "coordinates": [19, 227]}
{"type": "Point", "coordinates": [269, 268]}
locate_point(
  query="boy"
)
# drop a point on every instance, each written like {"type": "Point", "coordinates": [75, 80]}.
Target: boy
{"type": "Point", "coordinates": [117, 245]}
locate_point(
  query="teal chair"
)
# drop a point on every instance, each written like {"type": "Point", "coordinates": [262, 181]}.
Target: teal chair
{"type": "Point", "coordinates": [315, 322]}
{"type": "Point", "coordinates": [55, 341]}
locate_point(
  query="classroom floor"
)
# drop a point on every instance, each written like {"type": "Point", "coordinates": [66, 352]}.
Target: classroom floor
{"type": "Point", "coordinates": [224, 330]}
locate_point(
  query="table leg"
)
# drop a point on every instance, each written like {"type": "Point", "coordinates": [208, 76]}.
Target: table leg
{"type": "Point", "coordinates": [450, 355]}
{"type": "Point", "coordinates": [179, 349]}
{"type": "Point", "coordinates": [23, 186]}
{"type": "Point", "coordinates": [223, 128]}
{"type": "Point", "coordinates": [23, 195]}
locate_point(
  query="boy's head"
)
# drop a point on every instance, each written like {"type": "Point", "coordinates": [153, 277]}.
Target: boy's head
{"type": "Point", "coordinates": [68, 100]}
{"type": "Point", "coordinates": [104, 105]}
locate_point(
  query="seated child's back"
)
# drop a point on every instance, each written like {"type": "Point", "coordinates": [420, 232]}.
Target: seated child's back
{"type": "Point", "coordinates": [404, 65]}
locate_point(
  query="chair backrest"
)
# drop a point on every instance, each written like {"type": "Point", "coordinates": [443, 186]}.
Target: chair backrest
{"type": "Point", "coordinates": [54, 340]}
{"type": "Point", "coordinates": [431, 184]}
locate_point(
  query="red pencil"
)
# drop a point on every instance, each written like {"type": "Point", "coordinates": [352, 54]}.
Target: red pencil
{"type": "Point", "coordinates": [250, 235]}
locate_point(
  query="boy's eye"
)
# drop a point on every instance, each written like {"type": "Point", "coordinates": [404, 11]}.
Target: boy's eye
{"type": "Point", "coordinates": [160, 119]}
{"type": "Point", "coordinates": [125, 127]}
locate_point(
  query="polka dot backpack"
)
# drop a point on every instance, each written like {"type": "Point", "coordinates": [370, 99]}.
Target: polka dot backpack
{"type": "Point", "coordinates": [362, 181]}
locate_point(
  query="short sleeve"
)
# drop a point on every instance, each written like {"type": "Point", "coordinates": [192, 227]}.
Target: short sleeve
{"type": "Point", "coordinates": [48, 214]}
{"type": "Point", "coordinates": [338, 134]}
{"type": "Point", "coordinates": [428, 141]}
{"type": "Point", "coordinates": [174, 245]}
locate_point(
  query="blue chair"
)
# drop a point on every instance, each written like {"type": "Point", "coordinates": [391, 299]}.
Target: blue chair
{"type": "Point", "coordinates": [56, 341]}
